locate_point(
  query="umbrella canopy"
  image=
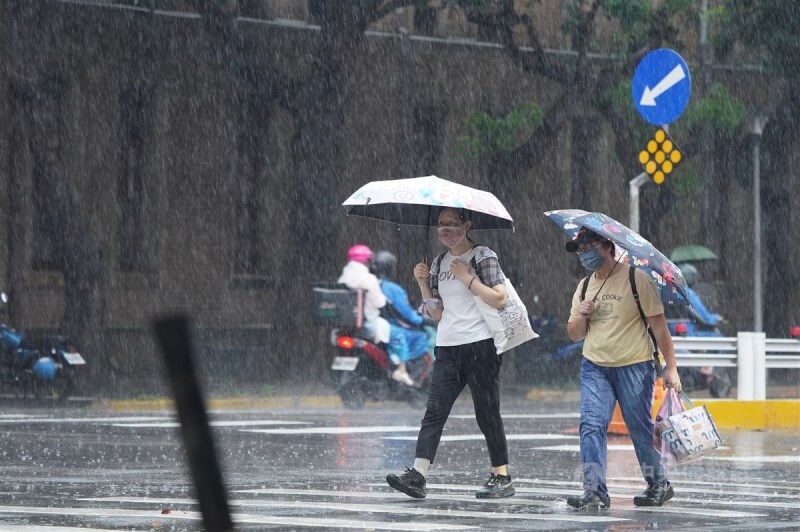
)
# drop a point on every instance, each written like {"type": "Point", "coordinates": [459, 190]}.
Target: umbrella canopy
{"type": "Point", "coordinates": [631, 248]}
{"type": "Point", "coordinates": [691, 253]}
{"type": "Point", "coordinates": [416, 201]}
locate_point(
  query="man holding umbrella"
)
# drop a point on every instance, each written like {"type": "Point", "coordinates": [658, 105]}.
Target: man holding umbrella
{"type": "Point", "coordinates": [618, 366]}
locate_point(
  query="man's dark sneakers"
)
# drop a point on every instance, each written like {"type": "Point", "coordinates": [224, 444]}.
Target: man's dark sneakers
{"type": "Point", "coordinates": [497, 487]}
{"type": "Point", "coordinates": [410, 481]}
{"type": "Point", "coordinates": [654, 495]}
{"type": "Point", "coordinates": [589, 499]}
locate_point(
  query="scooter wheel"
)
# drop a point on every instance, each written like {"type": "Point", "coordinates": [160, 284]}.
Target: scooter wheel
{"type": "Point", "coordinates": [351, 390]}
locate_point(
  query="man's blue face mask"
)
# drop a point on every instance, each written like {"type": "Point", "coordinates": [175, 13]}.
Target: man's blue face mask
{"type": "Point", "coordinates": [591, 259]}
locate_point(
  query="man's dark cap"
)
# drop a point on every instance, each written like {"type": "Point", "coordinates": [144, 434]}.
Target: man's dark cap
{"type": "Point", "coordinates": [584, 236]}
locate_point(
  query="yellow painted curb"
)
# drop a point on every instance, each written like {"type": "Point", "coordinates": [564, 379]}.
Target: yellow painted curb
{"type": "Point", "coordinates": [753, 415]}
{"type": "Point", "coordinates": [223, 403]}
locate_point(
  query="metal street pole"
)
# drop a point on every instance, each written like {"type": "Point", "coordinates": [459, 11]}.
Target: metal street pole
{"type": "Point", "coordinates": [633, 192]}
{"type": "Point", "coordinates": [758, 128]}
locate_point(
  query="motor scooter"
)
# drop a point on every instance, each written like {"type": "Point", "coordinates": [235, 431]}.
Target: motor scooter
{"type": "Point", "coordinates": [362, 369]}
{"type": "Point", "coordinates": [42, 370]}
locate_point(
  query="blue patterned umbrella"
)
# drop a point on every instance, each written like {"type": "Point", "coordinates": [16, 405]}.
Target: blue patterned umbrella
{"type": "Point", "coordinates": [631, 249]}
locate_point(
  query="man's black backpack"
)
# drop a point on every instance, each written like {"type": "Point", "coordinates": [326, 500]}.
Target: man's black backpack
{"type": "Point", "coordinates": [632, 278]}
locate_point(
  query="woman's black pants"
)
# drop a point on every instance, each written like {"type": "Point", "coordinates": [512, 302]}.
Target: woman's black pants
{"type": "Point", "coordinates": [478, 366]}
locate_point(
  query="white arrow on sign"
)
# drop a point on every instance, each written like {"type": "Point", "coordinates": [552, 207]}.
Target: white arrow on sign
{"type": "Point", "coordinates": [649, 96]}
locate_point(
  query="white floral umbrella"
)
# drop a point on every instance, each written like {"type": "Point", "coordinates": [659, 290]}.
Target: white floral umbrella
{"type": "Point", "coordinates": [416, 201]}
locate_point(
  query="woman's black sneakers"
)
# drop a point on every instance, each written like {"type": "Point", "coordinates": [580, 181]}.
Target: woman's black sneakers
{"type": "Point", "coordinates": [654, 495]}
{"type": "Point", "coordinates": [410, 481]}
{"type": "Point", "coordinates": [497, 487]}
{"type": "Point", "coordinates": [589, 499]}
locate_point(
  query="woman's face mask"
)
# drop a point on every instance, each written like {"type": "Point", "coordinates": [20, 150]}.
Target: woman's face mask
{"type": "Point", "coordinates": [451, 236]}
{"type": "Point", "coordinates": [591, 259]}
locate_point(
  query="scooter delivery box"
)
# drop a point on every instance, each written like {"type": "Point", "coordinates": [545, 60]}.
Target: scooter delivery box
{"type": "Point", "coordinates": [336, 305]}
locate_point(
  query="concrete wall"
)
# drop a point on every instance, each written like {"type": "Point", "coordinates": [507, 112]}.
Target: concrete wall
{"type": "Point", "coordinates": [192, 169]}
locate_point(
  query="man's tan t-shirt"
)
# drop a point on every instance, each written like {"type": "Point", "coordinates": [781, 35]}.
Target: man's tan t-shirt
{"type": "Point", "coordinates": [617, 336]}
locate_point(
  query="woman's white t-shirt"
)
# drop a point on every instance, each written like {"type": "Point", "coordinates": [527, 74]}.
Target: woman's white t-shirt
{"type": "Point", "coordinates": [462, 322]}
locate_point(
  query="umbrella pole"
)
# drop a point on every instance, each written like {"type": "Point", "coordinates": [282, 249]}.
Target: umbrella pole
{"type": "Point", "coordinates": [428, 235]}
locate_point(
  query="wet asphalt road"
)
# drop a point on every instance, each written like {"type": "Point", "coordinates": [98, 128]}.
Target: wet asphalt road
{"type": "Point", "coordinates": [293, 469]}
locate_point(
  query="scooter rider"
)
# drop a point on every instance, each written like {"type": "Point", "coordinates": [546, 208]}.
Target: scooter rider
{"type": "Point", "coordinates": [707, 320]}
{"type": "Point", "coordinates": [407, 342]}
{"type": "Point", "coordinates": [356, 276]}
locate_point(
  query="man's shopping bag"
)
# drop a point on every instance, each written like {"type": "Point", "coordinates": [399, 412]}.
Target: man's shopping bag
{"type": "Point", "coordinates": [685, 434]}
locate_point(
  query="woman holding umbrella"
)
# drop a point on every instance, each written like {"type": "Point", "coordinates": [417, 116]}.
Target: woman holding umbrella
{"type": "Point", "coordinates": [465, 352]}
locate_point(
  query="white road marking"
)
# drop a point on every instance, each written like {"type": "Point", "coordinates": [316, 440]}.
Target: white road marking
{"type": "Point", "coordinates": [471, 437]}
{"type": "Point", "coordinates": [683, 489]}
{"type": "Point", "coordinates": [48, 528]}
{"type": "Point", "coordinates": [577, 448]}
{"type": "Point", "coordinates": [720, 483]}
{"type": "Point", "coordinates": [247, 423]}
{"type": "Point", "coordinates": [336, 430]}
{"type": "Point", "coordinates": [237, 518]}
{"type": "Point", "coordinates": [571, 415]}
{"type": "Point", "coordinates": [87, 420]}
{"type": "Point", "coordinates": [664, 509]}
{"type": "Point", "coordinates": [374, 508]}
{"type": "Point", "coordinates": [771, 459]}
{"type": "Point", "coordinates": [384, 495]}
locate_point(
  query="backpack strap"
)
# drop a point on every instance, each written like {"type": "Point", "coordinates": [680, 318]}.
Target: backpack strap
{"type": "Point", "coordinates": [632, 277]}
{"type": "Point", "coordinates": [438, 263]}
{"type": "Point", "coordinates": [584, 287]}
{"type": "Point", "coordinates": [474, 264]}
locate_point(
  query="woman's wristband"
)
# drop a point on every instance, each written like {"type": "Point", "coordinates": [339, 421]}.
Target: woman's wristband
{"type": "Point", "coordinates": [469, 286]}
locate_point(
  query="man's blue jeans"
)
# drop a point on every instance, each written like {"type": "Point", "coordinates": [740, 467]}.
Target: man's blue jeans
{"type": "Point", "coordinates": [601, 388]}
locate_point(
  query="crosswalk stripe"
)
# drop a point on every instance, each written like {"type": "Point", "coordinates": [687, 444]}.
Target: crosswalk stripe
{"type": "Point", "coordinates": [374, 508]}
{"type": "Point", "coordinates": [245, 423]}
{"type": "Point", "coordinates": [640, 486]}
{"type": "Point", "coordinates": [783, 485]}
{"type": "Point", "coordinates": [761, 458]}
{"type": "Point", "coordinates": [237, 517]}
{"type": "Point", "coordinates": [38, 419]}
{"type": "Point", "coordinates": [336, 430]}
{"type": "Point", "coordinates": [562, 494]}
{"type": "Point", "coordinates": [481, 437]}
{"type": "Point", "coordinates": [565, 415]}
{"type": "Point", "coordinates": [52, 528]}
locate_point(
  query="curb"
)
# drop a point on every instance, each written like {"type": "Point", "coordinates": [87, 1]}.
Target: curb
{"type": "Point", "coordinates": [727, 413]}
{"type": "Point", "coordinates": [221, 403]}
{"type": "Point", "coordinates": [753, 415]}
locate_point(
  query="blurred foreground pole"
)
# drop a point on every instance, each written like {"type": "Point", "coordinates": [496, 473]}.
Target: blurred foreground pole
{"type": "Point", "coordinates": [173, 335]}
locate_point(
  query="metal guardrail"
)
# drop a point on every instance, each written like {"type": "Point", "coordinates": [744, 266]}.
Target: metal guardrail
{"type": "Point", "coordinates": [752, 353]}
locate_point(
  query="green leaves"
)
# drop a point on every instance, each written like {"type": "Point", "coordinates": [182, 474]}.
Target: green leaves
{"type": "Point", "coordinates": [488, 135]}
{"type": "Point", "coordinates": [719, 111]}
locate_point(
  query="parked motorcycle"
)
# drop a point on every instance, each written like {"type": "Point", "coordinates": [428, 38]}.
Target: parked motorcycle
{"type": "Point", "coordinates": [42, 370]}
{"type": "Point", "coordinates": [361, 367]}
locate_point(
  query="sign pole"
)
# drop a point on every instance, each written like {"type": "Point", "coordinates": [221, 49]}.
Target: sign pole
{"type": "Point", "coordinates": [633, 192]}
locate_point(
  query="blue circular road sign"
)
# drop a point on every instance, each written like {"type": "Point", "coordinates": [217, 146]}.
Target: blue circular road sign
{"type": "Point", "coordinates": [661, 86]}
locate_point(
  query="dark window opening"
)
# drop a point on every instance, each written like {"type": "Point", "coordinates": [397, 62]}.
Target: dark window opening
{"type": "Point", "coordinates": [132, 193]}
{"type": "Point", "coordinates": [43, 105]}
{"type": "Point", "coordinates": [249, 194]}
{"type": "Point", "coordinates": [428, 136]}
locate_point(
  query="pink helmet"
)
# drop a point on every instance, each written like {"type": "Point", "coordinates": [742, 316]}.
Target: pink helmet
{"type": "Point", "coordinates": [359, 253]}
